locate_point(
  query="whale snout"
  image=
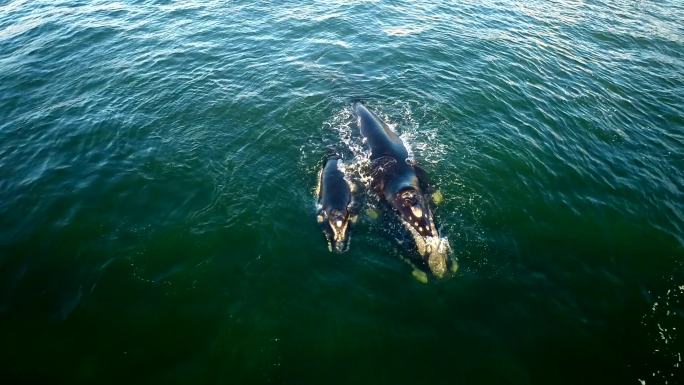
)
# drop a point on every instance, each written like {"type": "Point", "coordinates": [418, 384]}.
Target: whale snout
{"type": "Point", "coordinates": [336, 230]}
{"type": "Point", "coordinates": [339, 241]}
{"type": "Point", "coordinates": [414, 212]}
{"type": "Point", "coordinates": [417, 218]}
{"type": "Point", "coordinates": [438, 257]}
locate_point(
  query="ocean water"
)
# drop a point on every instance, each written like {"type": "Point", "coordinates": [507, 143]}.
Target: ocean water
{"type": "Point", "coordinates": [158, 161]}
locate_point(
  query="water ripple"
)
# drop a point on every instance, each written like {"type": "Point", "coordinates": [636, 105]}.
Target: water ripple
{"type": "Point", "coordinates": [156, 150]}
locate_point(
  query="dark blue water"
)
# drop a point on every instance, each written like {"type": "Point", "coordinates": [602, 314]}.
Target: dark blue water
{"type": "Point", "coordinates": [158, 161]}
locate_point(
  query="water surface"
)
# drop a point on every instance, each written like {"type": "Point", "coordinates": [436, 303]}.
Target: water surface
{"type": "Point", "coordinates": [158, 161]}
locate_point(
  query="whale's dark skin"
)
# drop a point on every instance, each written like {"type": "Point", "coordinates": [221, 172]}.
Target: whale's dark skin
{"type": "Point", "coordinates": [334, 206]}
{"type": "Point", "coordinates": [402, 185]}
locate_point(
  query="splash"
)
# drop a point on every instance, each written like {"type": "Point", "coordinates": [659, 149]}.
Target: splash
{"type": "Point", "coordinates": [357, 168]}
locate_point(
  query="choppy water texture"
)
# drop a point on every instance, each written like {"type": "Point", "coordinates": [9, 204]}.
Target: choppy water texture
{"type": "Point", "coordinates": [158, 159]}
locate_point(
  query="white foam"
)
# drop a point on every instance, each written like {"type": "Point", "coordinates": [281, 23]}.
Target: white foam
{"type": "Point", "coordinates": [338, 43]}
{"type": "Point", "coordinates": [341, 122]}
{"type": "Point", "coordinates": [403, 31]}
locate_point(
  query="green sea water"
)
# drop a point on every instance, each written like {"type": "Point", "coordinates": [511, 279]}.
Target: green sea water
{"type": "Point", "coordinates": [158, 161]}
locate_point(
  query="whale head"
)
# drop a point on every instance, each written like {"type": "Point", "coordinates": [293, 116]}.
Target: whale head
{"type": "Point", "coordinates": [335, 225]}
{"type": "Point", "coordinates": [415, 214]}
{"type": "Point", "coordinates": [414, 211]}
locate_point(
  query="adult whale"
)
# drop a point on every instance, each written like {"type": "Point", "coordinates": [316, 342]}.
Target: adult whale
{"type": "Point", "coordinates": [402, 185]}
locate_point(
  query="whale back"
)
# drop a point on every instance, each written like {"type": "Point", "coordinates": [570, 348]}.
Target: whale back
{"type": "Point", "coordinates": [335, 192]}
{"type": "Point", "coordinates": [381, 139]}
{"type": "Point", "coordinates": [389, 156]}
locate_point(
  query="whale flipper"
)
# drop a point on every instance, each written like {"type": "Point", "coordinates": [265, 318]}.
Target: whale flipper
{"type": "Point", "coordinates": [423, 180]}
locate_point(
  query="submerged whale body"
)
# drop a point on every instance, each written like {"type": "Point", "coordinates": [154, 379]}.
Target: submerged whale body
{"type": "Point", "coordinates": [402, 185]}
{"type": "Point", "coordinates": [334, 209]}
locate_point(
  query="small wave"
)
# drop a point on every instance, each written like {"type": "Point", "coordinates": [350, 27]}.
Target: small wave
{"type": "Point", "coordinates": [338, 43]}
{"type": "Point", "coordinates": [403, 31]}
{"type": "Point", "coordinates": [17, 29]}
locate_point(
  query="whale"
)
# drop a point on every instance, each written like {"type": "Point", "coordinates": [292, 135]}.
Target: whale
{"type": "Point", "coordinates": [335, 205]}
{"type": "Point", "coordinates": [403, 185]}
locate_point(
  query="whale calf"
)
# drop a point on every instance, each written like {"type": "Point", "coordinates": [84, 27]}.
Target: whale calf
{"type": "Point", "coordinates": [335, 205]}
{"type": "Point", "coordinates": [402, 184]}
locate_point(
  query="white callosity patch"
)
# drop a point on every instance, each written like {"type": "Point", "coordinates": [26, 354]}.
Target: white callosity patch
{"type": "Point", "coordinates": [436, 249]}
{"type": "Point", "coordinates": [339, 230]}
{"type": "Point", "coordinates": [440, 256]}
{"type": "Point", "coordinates": [339, 235]}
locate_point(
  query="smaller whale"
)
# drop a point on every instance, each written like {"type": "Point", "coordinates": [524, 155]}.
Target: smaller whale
{"type": "Point", "coordinates": [335, 208]}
